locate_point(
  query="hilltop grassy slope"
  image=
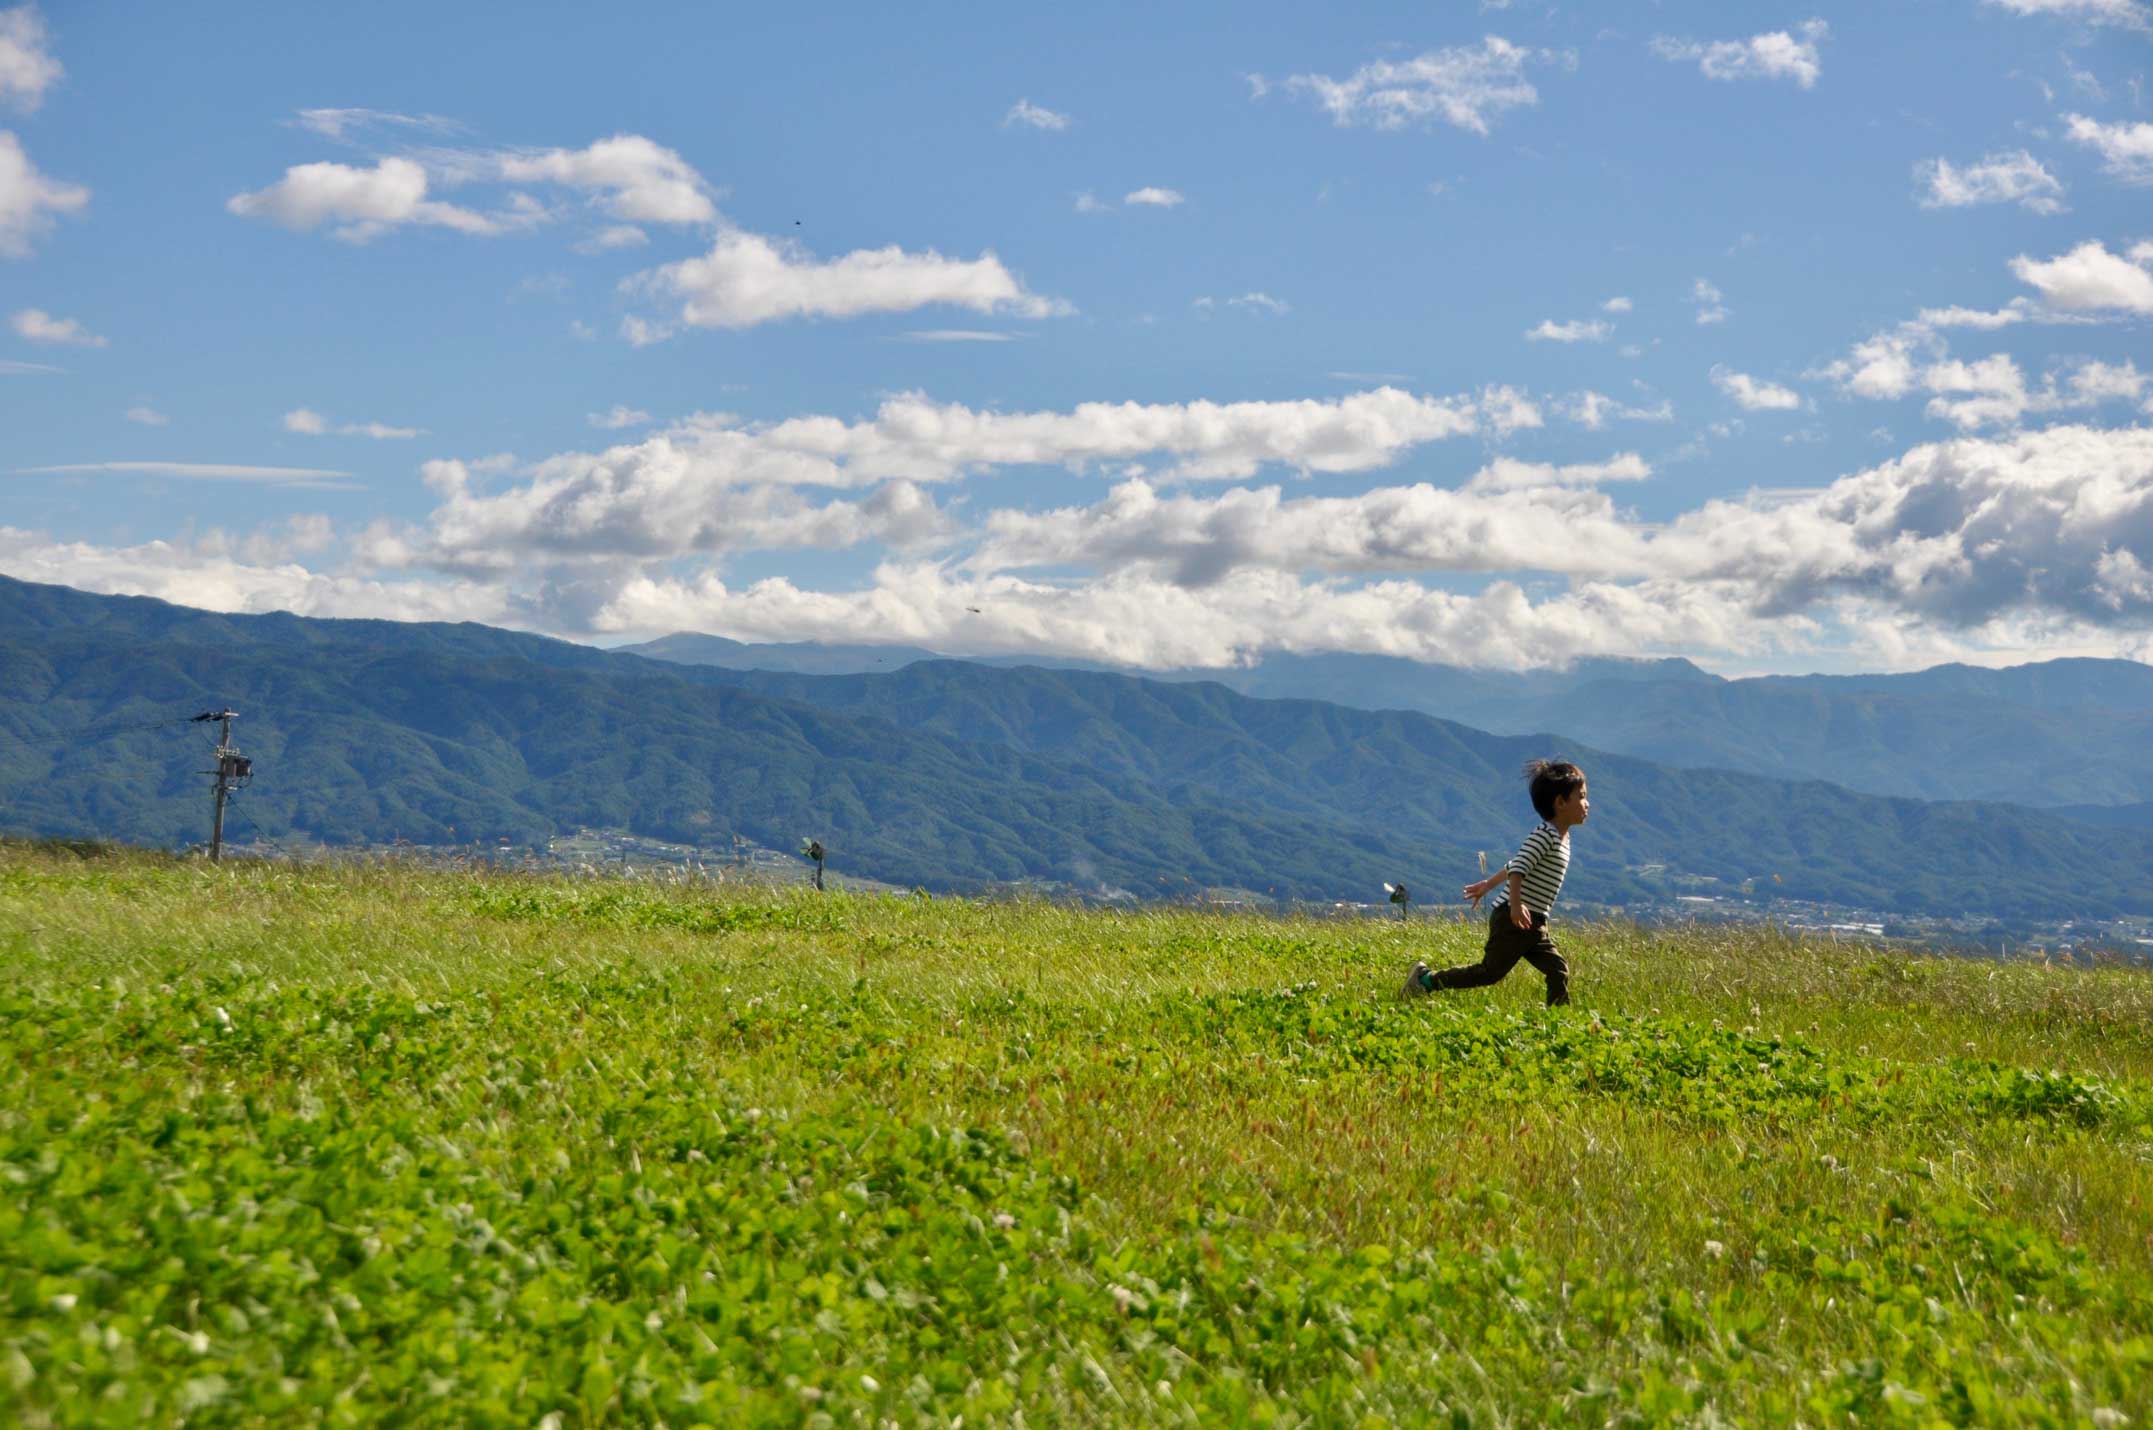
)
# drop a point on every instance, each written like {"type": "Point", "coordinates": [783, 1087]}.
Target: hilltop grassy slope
{"type": "Point", "coordinates": [441, 1148]}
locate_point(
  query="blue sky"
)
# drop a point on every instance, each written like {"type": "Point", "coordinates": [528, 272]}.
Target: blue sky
{"type": "Point", "coordinates": [1781, 338]}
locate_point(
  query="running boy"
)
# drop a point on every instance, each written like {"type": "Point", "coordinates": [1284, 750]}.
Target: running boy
{"type": "Point", "coordinates": [1517, 925]}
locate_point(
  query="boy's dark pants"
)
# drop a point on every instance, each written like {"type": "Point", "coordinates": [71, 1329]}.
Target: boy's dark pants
{"type": "Point", "coordinates": [1507, 943]}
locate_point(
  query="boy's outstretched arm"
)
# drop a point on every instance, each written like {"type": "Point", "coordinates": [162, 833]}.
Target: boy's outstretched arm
{"type": "Point", "coordinates": [1478, 890]}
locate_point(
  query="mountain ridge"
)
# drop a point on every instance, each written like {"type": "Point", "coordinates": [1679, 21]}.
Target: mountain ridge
{"type": "Point", "coordinates": [947, 774]}
{"type": "Point", "coordinates": [2015, 735]}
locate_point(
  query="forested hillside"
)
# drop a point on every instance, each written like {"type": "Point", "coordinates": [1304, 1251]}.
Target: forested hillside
{"type": "Point", "coordinates": [943, 774]}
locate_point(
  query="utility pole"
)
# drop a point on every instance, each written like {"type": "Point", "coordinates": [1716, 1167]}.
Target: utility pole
{"type": "Point", "coordinates": [233, 769]}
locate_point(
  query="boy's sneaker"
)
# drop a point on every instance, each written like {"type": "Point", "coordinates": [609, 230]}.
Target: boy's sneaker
{"type": "Point", "coordinates": [1416, 982]}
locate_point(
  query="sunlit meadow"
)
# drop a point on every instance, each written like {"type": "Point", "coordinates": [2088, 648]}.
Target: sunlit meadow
{"type": "Point", "coordinates": [388, 1142]}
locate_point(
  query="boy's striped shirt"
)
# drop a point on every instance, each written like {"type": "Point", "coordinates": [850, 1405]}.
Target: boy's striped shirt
{"type": "Point", "coordinates": [1542, 861]}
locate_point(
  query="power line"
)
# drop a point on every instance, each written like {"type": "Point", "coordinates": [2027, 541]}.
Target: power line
{"type": "Point", "coordinates": [239, 811]}
{"type": "Point", "coordinates": [99, 732]}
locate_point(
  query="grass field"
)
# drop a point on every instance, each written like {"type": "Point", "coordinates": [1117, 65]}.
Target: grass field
{"type": "Point", "coordinates": [360, 1144]}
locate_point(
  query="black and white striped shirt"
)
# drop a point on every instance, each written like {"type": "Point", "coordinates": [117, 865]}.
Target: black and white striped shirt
{"type": "Point", "coordinates": [1541, 861]}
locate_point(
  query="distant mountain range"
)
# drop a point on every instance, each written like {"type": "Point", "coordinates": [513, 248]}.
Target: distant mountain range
{"type": "Point", "coordinates": [946, 774]}
{"type": "Point", "coordinates": [2072, 734]}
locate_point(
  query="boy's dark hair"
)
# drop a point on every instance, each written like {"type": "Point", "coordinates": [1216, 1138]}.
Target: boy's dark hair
{"type": "Point", "coordinates": [1552, 780]}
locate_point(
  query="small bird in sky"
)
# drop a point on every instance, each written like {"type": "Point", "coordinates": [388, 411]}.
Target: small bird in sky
{"type": "Point", "coordinates": [973, 609]}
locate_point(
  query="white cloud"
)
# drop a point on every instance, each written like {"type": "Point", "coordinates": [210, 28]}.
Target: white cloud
{"type": "Point", "coordinates": [1971, 395]}
{"type": "Point", "coordinates": [654, 502]}
{"type": "Point", "coordinates": [142, 414]}
{"type": "Point", "coordinates": [1577, 330]}
{"type": "Point", "coordinates": [1088, 203]}
{"type": "Point", "coordinates": [361, 203]}
{"type": "Point", "coordinates": [2084, 81]}
{"type": "Point", "coordinates": [957, 335]}
{"type": "Point", "coordinates": [1465, 87]}
{"type": "Point", "coordinates": [921, 440]}
{"type": "Point", "coordinates": [1773, 55]}
{"type": "Point", "coordinates": [1507, 474]}
{"type": "Point", "coordinates": [1592, 410]}
{"type": "Point", "coordinates": [1994, 392]}
{"type": "Point", "coordinates": [1711, 303]}
{"type": "Point", "coordinates": [1589, 409]}
{"type": "Point", "coordinates": [540, 285]}
{"type": "Point", "coordinates": [2088, 284]}
{"type": "Point", "coordinates": [711, 485]}
{"type": "Point", "coordinates": [2034, 544]}
{"type": "Point", "coordinates": [1505, 410]}
{"type": "Point", "coordinates": [631, 177]}
{"type": "Point", "coordinates": [28, 199]}
{"type": "Point", "coordinates": [1991, 391]}
{"type": "Point", "coordinates": [343, 125]}
{"type": "Point", "coordinates": [621, 415]}
{"type": "Point", "coordinates": [1498, 521]}
{"type": "Point", "coordinates": [220, 574]}
{"type": "Point", "coordinates": [619, 235]}
{"type": "Point", "coordinates": [2128, 13]}
{"type": "Point", "coordinates": [641, 332]}
{"type": "Point", "coordinates": [1954, 546]}
{"type": "Point", "coordinates": [1157, 198]}
{"type": "Point", "coordinates": [1954, 533]}
{"type": "Point", "coordinates": [1034, 116]}
{"type": "Point", "coordinates": [2090, 279]}
{"type": "Point", "coordinates": [2015, 177]}
{"type": "Point", "coordinates": [14, 367]}
{"type": "Point", "coordinates": [27, 68]}
{"type": "Point", "coordinates": [314, 477]}
{"type": "Point", "coordinates": [1616, 304]}
{"type": "Point", "coordinates": [309, 423]}
{"type": "Point", "coordinates": [2097, 382]}
{"type": "Point", "coordinates": [2126, 149]}
{"type": "Point", "coordinates": [1261, 303]}
{"type": "Point", "coordinates": [1882, 367]}
{"type": "Point", "coordinates": [1984, 320]}
{"type": "Point", "coordinates": [746, 279]}
{"type": "Point", "coordinates": [39, 326]}
{"type": "Point", "coordinates": [1142, 621]}
{"type": "Point", "coordinates": [1753, 394]}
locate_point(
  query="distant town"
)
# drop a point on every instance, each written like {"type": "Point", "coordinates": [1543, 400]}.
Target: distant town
{"type": "Point", "coordinates": [1690, 898]}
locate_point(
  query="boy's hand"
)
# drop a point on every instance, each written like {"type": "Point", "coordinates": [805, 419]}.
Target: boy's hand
{"type": "Point", "coordinates": [1476, 891]}
{"type": "Point", "coordinates": [1520, 917]}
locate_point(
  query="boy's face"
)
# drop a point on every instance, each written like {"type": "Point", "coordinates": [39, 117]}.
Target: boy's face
{"type": "Point", "coordinates": [1572, 808]}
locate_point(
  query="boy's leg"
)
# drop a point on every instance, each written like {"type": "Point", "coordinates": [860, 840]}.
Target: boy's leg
{"type": "Point", "coordinates": [1541, 953]}
{"type": "Point", "coordinates": [1505, 944]}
